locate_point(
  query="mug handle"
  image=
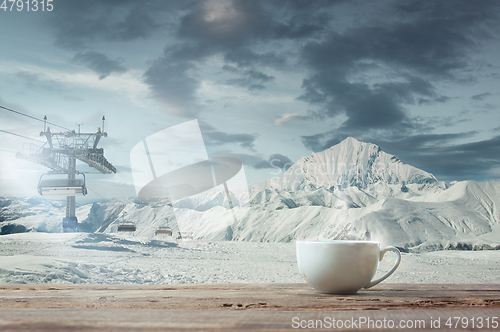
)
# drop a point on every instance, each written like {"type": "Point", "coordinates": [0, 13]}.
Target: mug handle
{"type": "Point", "coordinates": [382, 278]}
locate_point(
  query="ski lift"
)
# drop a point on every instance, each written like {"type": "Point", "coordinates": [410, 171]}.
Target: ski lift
{"type": "Point", "coordinates": [60, 186]}
{"type": "Point", "coordinates": [163, 230]}
{"type": "Point", "coordinates": [126, 226]}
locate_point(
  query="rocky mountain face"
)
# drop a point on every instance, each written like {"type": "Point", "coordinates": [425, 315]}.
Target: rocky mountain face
{"type": "Point", "coordinates": [347, 164]}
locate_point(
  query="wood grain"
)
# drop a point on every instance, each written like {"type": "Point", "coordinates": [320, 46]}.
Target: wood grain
{"type": "Point", "coordinates": [229, 306]}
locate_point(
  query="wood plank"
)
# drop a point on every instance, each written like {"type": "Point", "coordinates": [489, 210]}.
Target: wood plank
{"type": "Point", "coordinates": [12, 319]}
{"type": "Point", "coordinates": [231, 307]}
{"type": "Point", "coordinates": [247, 297]}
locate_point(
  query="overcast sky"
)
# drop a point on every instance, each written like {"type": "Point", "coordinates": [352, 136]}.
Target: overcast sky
{"type": "Point", "coordinates": [266, 80]}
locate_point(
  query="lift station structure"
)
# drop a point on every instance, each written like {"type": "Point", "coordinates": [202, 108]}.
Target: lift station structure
{"type": "Point", "coordinates": [59, 153]}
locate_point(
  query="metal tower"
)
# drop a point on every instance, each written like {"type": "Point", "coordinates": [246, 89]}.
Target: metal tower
{"type": "Point", "coordinates": [60, 153]}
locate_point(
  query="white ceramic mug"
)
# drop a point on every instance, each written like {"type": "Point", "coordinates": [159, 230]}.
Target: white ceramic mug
{"type": "Point", "coordinates": [342, 267]}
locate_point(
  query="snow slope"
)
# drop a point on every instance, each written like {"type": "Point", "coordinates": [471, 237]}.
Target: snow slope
{"type": "Point", "coordinates": [421, 219]}
{"type": "Point", "coordinates": [426, 217]}
{"type": "Point", "coordinates": [366, 202]}
{"type": "Point", "coordinates": [93, 258]}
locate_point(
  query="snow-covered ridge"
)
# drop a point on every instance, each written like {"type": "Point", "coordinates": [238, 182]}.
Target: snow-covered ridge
{"type": "Point", "coordinates": [349, 163]}
{"type": "Point", "coordinates": [422, 215]}
{"type": "Point", "coordinates": [425, 217]}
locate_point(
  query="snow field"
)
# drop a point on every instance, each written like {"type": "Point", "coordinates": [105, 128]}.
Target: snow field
{"type": "Point", "coordinates": [112, 259]}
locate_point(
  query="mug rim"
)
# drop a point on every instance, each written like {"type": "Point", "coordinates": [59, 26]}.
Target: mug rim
{"type": "Point", "coordinates": [338, 241]}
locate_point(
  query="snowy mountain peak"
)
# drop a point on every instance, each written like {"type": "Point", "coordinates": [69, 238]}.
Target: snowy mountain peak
{"type": "Point", "coordinates": [351, 144]}
{"type": "Point", "coordinates": [349, 163]}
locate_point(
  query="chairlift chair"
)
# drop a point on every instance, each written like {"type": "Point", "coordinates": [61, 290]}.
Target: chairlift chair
{"type": "Point", "coordinates": [58, 186]}
{"type": "Point", "coordinates": [126, 227]}
{"type": "Point", "coordinates": [163, 230]}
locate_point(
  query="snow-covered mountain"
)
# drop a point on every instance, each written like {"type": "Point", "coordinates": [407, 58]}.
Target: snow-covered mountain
{"type": "Point", "coordinates": [42, 215]}
{"type": "Point", "coordinates": [349, 163]}
{"type": "Point", "coordinates": [318, 197]}
{"type": "Point", "coordinates": [423, 217]}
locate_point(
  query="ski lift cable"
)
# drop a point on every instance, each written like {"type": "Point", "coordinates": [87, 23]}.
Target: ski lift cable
{"type": "Point", "coordinates": [33, 139]}
{"type": "Point", "coordinates": [32, 117]}
{"type": "Point", "coordinates": [121, 200]}
{"type": "Point", "coordinates": [8, 151]}
{"type": "Point", "coordinates": [95, 192]}
{"type": "Point", "coordinates": [118, 198]}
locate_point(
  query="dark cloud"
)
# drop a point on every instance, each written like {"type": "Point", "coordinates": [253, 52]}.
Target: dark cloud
{"type": "Point", "coordinates": [366, 106]}
{"type": "Point", "coordinates": [255, 161]}
{"type": "Point", "coordinates": [235, 23]}
{"type": "Point", "coordinates": [245, 57]}
{"type": "Point", "coordinates": [80, 23]}
{"type": "Point", "coordinates": [212, 136]}
{"type": "Point", "coordinates": [221, 23]}
{"type": "Point", "coordinates": [398, 145]}
{"type": "Point", "coordinates": [466, 161]}
{"type": "Point", "coordinates": [172, 78]}
{"type": "Point", "coordinates": [370, 67]}
{"type": "Point", "coordinates": [295, 20]}
{"type": "Point", "coordinates": [418, 45]}
{"type": "Point", "coordinates": [137, 24]}
{"type": "Point", "coordinates": [427, 101]}
{"type": "Point", "coordinates": [424, 143]}
{"type": "Point", "coordinates": [275, 161]}
{"type": "Point", "coordinates": [430, 123]}
{"type": "Point", "coordinates": [233, 29]}
{"type": "Point", "coordinates": [219, 137]}
{"type": "Point", "coordinates": [480, 96]}
{"type": "Point", "coordinates": [99, 63]}
{"type": "Point", "coordinates": [249, 160]}
{"type": "Point", "coordinates": [173, 84]}
{"type": "Point", "coordinates": [315, 142]}
{"type": "Point", "coordinates": [250, 79]}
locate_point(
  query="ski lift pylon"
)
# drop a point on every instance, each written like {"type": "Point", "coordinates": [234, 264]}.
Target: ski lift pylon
{"type": "Point", "coordinates": [70, 224]}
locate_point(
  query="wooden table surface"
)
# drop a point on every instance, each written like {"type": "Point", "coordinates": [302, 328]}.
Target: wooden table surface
{"type": "Point", "coordinates": [228, 307]}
